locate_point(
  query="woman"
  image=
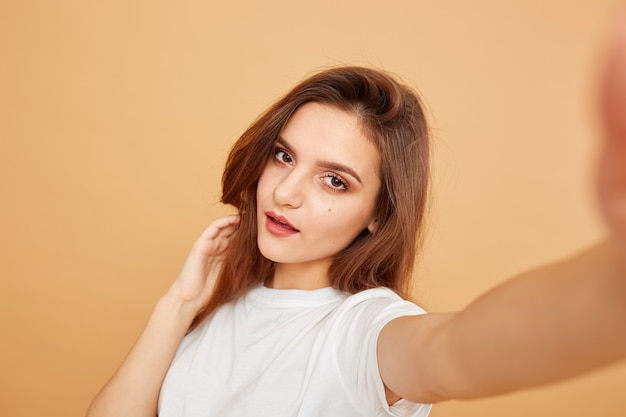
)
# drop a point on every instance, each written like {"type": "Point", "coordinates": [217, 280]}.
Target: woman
{"type": "Point", "coordinates": [296, 305]}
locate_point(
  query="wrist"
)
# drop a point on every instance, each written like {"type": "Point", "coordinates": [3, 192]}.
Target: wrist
{"type": "Point", "coordinates": [177, 308]}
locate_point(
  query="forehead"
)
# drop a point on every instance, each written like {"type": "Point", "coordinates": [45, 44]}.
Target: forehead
{"type": "Point", "coordinates": [327, 132]}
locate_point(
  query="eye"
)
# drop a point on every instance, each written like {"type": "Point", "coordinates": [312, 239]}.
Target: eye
{"type": "Point", "coordinates": [335, 182]}
{"type": "Point", "coordinates": [282, 156]}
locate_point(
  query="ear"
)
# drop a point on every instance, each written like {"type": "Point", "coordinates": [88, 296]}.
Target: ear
{"type": "Point", "coordinates": [373, 226]}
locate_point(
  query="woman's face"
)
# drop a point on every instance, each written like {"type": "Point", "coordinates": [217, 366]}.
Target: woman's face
{"type": "Point", "coordinates": [318, 189]}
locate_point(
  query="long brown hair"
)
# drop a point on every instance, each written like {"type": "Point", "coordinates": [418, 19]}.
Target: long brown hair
{"type": "Point", "coordinates": [391, 116]}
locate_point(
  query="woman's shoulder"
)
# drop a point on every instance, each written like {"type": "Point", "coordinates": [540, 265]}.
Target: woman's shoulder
{"type": "Point", "coordinates": [373, 308]}
{"type": "Point", "coordinates": [381, 297]}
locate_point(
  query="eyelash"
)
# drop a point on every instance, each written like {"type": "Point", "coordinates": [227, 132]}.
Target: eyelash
{"type": "Point", "coordinates": [327, 179]}
{"type": "Point", "coordinates": [279, 159]}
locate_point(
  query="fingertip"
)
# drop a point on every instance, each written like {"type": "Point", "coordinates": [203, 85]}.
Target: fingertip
{"type": "Point", "coordinates": [235, 218]}
{"type": "Point", "coordinates": [613, 95]}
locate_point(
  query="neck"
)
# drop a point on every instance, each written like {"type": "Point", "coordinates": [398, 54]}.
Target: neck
{"type": "Point", "coordinates": [300, 276]}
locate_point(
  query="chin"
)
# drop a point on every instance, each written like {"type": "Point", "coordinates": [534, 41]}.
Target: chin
{"type": "Point", "coordinates": [276, 256]}
{"type": "Point", "coordinates": [271, 253]}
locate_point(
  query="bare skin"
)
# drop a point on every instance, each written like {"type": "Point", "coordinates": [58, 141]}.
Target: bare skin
{"type": "Point", "coordinates": [134, 389]}
{"type": "Point", "coordinates": [545, 325]}
{"type": "Point", "coordinates": [548, 324]}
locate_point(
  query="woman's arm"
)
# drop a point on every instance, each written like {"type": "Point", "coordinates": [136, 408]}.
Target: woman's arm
{"type": "Point", "coordinates": [134, 388]}
{"type": "Point", "coordinates": [548, 324]}
{"type": "Point", "coordinates": [545, 325]}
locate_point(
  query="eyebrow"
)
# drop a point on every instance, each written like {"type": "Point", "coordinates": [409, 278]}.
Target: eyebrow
{"type": "Point", "coordinates": [339, 167]}
{"type": "Point", "coordinates": [334, 166]}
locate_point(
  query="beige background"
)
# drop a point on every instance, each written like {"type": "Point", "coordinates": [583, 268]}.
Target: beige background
{"type": "Point", "coordinates": [116, 117]}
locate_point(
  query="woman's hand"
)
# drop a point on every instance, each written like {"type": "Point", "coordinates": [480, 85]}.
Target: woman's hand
{"type": "Point", "coordinates": [134, 388]}
{"type": "Point", "coordinates": [196, 280]}
{"type": "Point", "coordinates": [612, 167]}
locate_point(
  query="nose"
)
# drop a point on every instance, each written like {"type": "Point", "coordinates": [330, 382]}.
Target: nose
{"type": "Point", "coordinates": [289, 192]}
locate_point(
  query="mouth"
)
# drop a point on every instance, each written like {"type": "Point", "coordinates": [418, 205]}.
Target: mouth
{"type": "Point", "coordinates": [279, 225]}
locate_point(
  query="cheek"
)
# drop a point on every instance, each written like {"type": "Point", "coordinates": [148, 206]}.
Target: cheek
{"type": "Point", "coordinates": [341, 224]}
{"type": "Point", "coordinates": [262, 186]}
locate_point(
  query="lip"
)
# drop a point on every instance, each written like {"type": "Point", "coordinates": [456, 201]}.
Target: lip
{"type": "Point", "coordinates": [279, 225]}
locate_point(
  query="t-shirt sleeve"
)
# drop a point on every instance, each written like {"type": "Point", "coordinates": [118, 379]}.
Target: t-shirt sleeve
{"type": "Point", "coordinates": [363, 317]}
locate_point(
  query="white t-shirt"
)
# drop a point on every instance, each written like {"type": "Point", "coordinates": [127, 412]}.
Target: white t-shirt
{"type": "Point", "coordinates": [284, 353]}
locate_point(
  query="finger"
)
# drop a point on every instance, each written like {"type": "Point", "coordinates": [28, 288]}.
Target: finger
{"type": "Point", "coordinates": [219, 226]}
{"type": "Point", "coordinates": [612, 167]}
{"type": "Point", "coordinates": [613, 98]}
{"type": "Point", "coordinates": [217, 235]}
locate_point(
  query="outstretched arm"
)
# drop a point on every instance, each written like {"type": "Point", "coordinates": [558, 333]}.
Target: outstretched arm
{"type": "Point", "coordinates": [134, 389]}
{"type": "Point", "coordinates": [545, 325]}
